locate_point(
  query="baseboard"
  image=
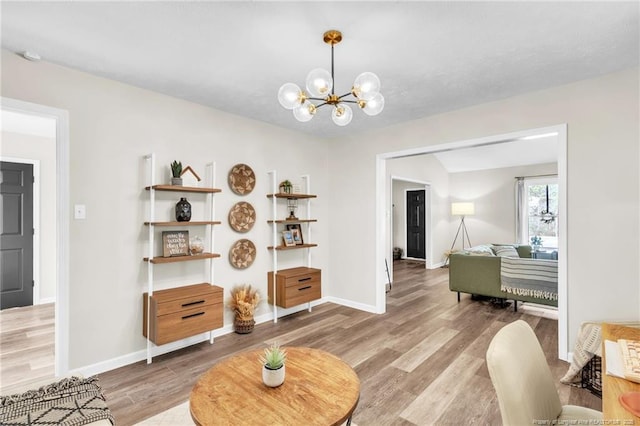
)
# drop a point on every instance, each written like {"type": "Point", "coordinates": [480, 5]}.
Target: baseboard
{"type": "Point", "coordinates": [46, 300]}
{"type": "Point", "coordinates": [121, 361]}
{"type": "Point", "coordinates": [436, 265]}
{"type": "Point", "coordinates": [351, 304]}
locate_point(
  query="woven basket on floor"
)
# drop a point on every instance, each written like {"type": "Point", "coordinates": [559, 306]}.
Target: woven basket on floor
{"type": "Point", "coordinates": [243, 326]}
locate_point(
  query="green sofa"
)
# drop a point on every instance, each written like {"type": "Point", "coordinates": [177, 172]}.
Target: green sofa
{"type": "Point", "coordinates": [480, 275]}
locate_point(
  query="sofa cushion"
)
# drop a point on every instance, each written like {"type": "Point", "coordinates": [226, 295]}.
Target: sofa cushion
{"type": "Point", "coordinates": [505, 251]}
{"type": "Point", "coordinates": [481, 250]}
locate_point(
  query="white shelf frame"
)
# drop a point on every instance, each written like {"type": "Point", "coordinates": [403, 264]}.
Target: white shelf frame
{"type": "Point", "coordinates": [275, 242]}
{"type": "Point", "coordinates": [210, 206]}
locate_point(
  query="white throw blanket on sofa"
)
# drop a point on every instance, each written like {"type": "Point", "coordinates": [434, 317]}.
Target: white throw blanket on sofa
{"type": "Point", "coordinates": [529, 277]}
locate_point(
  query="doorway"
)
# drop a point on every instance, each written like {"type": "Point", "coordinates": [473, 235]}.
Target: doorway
{"type": "Point", "coordinates": [383, 245]}
{"type": "Point", "coordinates": [32, 115]}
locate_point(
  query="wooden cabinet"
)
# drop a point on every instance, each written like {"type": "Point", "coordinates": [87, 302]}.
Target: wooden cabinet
{"type": "Point", "coordinates": [181, 312]}
{"type": "Point", "coordinates": [184, 310]}
{"type": "Point", "coordinates": [295, 286]}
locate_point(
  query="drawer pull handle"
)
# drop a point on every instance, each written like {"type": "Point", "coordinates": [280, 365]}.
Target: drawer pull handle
{"type": "Point", "coordinates": [304, 288]}
{"type": "Point", "coordinates": [301, 280]}
{"type": "Point", "coordinates": [192, 303]}
{"type": "Point", "coordinates": [197, 314]}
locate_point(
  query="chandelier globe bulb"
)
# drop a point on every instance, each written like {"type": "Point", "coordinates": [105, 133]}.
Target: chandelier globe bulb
{"type": "Point", "coordinates": [375, 105]}
{"type": "Point", "coordinates": [290, 96]}
{"type": "Point", "coordinates": [319, 83]}
{"type": "Point", "coordinates": [342, 114]}
{"type": "Point", "coordinates": [366, 85]}
{"type": "Point", "coordinates": [304, 112]}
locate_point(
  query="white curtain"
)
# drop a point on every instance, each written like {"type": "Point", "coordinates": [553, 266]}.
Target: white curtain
{"type": "Point", "coordinates": [521, 212]}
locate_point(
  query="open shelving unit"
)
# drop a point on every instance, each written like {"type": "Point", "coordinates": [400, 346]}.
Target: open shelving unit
{"type": "Point", "coordinates": [293, 286]}
{"type": "Point", "coordinates": [184, 310]}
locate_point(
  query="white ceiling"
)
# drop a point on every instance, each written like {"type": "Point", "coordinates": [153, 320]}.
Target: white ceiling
{"type": "Point", "coordinates": [522, 152]}
{"type": "Point", "coordinates": [430, 56]}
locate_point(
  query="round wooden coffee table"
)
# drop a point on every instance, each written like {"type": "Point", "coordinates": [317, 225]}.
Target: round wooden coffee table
{"type": "Point", "coordinates": [319, 388]}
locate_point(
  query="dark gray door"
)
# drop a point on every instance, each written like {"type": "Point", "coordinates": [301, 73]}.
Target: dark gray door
{"type": "Point", "coordinates": [16, 235]}
{"type": "Point", "coordinates": [415, 224]}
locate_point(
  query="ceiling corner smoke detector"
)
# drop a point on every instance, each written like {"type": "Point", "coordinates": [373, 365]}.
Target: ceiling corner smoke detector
{"type": "Point", "coordinates": [31, 56]}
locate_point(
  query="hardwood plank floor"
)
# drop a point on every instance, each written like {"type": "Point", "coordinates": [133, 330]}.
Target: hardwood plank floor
{"type": "Point", "coordinates": [420, 363]}
{"type": "Point", "coordinates": [26, 347]}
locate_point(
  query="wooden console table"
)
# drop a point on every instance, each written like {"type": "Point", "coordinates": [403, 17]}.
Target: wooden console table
{"type": "Point", "coordinates": [613, 387]}
{"type": "Point", "coordinates": [319, 388]}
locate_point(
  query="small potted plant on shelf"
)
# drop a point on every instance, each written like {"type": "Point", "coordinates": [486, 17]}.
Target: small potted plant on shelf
{"type": "Point", "coordinates": [285, 187]}
{"type": "Point", "coordinates": [176, 171]}
{"type": "Point", "coordinates": [273, 368]}
{"type": "Point", "coordinates": [243, 303]}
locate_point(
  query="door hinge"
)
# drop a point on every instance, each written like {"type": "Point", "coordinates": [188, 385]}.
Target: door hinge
{"type": "Point", "coordinates": [33, 283]}
{"type": "Point", "coordinates": [34, 231]}
{"type": "Point", "coordinates": [33, 179]}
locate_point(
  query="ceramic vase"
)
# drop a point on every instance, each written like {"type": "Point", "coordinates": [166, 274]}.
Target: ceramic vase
{"type": "Point", "coordinates": [183, 210]}
{"type": "Point", "coordinates": [273, 378]}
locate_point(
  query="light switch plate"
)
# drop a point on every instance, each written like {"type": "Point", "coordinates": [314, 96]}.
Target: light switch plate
{"type": "Point", "coordinates": [79, 211]}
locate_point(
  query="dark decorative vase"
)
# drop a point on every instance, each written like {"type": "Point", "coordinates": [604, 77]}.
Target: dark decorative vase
{"type": "Point", "coordinates": [183, 210]}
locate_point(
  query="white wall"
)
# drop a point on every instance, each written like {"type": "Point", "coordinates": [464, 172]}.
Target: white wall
{"type": "Point", "coordinates": [603, 163]}
{"type": "Point", "coordinates": [112, 126]}
{"type": "Point", "coordinates": [493, 194]}
{"type": "Point", "coordinates": [43, 149]}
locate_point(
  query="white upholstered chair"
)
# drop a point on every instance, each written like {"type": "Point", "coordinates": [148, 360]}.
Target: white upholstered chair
{"type": "Point", "coordinates": [523, 381]}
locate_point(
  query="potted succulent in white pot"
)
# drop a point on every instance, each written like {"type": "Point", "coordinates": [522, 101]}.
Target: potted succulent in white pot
{"type": "Point", "coordinates": [273, 367]}
{"type": "Point", "coordinates": [176, 171]}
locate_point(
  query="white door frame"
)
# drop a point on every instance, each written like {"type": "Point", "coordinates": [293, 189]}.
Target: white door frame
{"type": "Point", "coordinates": [382, 244]}
{"type": "Point", "coordinates": [62, 207]}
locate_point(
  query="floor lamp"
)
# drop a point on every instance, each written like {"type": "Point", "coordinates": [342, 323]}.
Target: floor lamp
{"type": "Point", "coordinates": [462, 210]}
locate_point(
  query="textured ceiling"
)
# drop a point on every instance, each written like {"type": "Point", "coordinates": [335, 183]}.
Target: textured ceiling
{"type": "Point", "coordinates": [430, 56]}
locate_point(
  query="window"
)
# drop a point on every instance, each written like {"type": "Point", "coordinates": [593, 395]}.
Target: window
{"type": "Point", "coordinates": [539, 211]}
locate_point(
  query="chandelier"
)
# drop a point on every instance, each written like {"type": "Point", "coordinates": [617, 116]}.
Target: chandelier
{"type": "Point", "coordinates": [365, 92]}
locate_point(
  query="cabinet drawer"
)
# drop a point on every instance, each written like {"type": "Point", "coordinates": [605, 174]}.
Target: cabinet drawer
{"type": "Point", "coordinates": [181, 312]}
{"type": "Point", "coordinates": [295, 286]}
{"type": "Point", "coordinates": [301, 293]}
{"type": "Point", "coordinates": [178, 305]}
{"type": "Point", "coordinates": [186, 323]}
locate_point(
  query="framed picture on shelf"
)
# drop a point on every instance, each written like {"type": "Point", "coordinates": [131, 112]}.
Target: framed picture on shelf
{"type": "Point", "coordinates": [175, 243]}
{"type": "Point", "coordinates": [287, 237]}
{"type": "Point", "coordinates": [296, 233]}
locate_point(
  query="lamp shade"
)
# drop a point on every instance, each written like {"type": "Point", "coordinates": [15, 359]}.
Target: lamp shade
{"type": "Point", "coordinates": [462, 209]}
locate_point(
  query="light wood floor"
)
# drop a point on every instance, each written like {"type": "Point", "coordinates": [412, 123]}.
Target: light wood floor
{"type": "Point", "coordinates": [26, 346]}
{"type": "Point", "coordinates": [420, 363]}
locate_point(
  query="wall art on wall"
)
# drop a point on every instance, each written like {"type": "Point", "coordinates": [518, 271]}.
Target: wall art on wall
{"type": "Point", "coordinates": [242, 179]}
{"type": "Point", "coordinates": [242, 217]}
{"type": "Point", "coordinates": [242, 254]}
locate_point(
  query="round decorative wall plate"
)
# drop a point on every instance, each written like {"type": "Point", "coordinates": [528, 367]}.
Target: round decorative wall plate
{"type": "Point", "coordinates": [242, 180]}
{"type": "Point", "coordinates": [242, 254]}
{"type": "Point", "coordinates": [242, 217]}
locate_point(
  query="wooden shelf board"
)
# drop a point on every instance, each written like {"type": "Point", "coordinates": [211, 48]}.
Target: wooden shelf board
{"type": "Point", "coordinates": [182, 258]}
{"type": "Point", "coordinates": [293, 247]}
{"type": "Point", "coordinates": [292, 221]}
{"type": "Point", "coordinates": [292, 195]}
{"type": "Point", "coordinates": [190, 223]}
{"type": "Point", "coordinates": [179, 188]}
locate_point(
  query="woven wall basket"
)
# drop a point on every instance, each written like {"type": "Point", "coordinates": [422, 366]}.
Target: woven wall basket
{"type": "Point", "coordinates": [243, 326]}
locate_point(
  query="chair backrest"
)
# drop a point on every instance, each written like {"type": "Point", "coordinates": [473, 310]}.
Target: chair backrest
{"type": "Point", "coordinates": [521, 376]}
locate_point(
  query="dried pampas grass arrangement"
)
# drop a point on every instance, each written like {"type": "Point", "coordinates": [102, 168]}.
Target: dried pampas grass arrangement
{"type": "Point", "coordinates": [243, 301]}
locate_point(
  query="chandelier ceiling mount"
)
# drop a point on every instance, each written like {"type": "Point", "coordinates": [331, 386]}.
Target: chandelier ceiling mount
{"type": "Point", "coordinates": [320, 91]}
